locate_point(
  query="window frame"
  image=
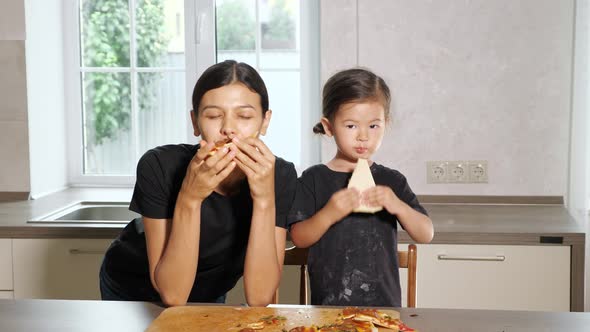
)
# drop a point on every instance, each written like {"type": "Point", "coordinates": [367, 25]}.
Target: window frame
{"type": "Point", "coordinates": [74, 97]}
{"type": "Point", "coordinates": [200, 53]}
{"type": "Point", "coordinates": [309, 67]}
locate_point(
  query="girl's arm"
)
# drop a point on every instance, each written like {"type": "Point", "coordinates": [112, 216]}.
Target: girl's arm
{"type": "Point", "coordinates": [417, 225]}
{"type": "Point", "coordinates": [173, 244]}
{"type": "Point", "coordinates": [307, 232]}
{"type": "Point", "coordinates": [266, 243]}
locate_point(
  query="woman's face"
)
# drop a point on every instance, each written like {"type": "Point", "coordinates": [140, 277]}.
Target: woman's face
{"type": "Point", "coordinates": [228, 111]}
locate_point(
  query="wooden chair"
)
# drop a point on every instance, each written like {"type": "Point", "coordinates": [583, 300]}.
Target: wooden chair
{"type": "Point", "coordinates": [297, 256]}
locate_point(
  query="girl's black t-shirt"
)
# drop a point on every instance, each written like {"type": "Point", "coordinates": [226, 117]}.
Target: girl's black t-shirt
{"type": "Point", "coordinates": [355, 261]}
{"type": "Point", "coordinates": [225, 226]}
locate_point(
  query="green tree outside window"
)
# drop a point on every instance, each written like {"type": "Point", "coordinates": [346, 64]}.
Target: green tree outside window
{"type": "Point", "coordinates": [106, 43]}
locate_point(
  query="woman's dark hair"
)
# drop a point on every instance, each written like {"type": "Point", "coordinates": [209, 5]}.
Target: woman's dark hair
{"type": "Point", "coordinates": [352, 85]}
{"type": "Point", "coordinates": [226, 73]}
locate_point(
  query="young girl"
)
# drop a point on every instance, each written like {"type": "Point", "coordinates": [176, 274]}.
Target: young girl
{"type": "Point", "coordinates": [353, 256]}
{"type": "Point", "coordinates": [207, 217]}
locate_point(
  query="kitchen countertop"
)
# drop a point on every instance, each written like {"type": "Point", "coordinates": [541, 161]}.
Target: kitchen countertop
{"type": "Point", "coordinates": [448, 219]}
{"type": "Point", "coordinates": [471, 224]}
{"type": "Point", "coordinates": [14, 215]}
{"type": "Point", "coordinates": [88, 316]}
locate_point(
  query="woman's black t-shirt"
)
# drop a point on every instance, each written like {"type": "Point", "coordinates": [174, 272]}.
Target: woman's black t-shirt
{"type": "Point", "coordinates": [225, 226]}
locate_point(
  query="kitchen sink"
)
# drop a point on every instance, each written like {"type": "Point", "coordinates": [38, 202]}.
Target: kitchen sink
{"type": "Point", "coordinates": [90, 212]}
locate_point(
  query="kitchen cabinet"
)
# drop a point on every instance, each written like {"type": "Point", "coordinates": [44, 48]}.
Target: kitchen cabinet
{"type": "Point", "coordinates": [57, 268]}
{"type": "Point", "coordinates": [505, 277]}
{"type": "Point", "coordinates": [6, 265]}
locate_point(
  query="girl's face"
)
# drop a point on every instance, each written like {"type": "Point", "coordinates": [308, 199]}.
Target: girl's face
{"type": "Point", "coordinates": [358, 129]}
{"type": "Point", "coordinates": [228, 111]}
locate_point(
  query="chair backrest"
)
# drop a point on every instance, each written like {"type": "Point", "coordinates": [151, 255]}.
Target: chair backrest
{"type": "Point", "coordinates": [298, 256]}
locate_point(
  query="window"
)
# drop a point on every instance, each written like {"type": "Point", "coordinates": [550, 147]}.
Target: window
{"type": "Point", "coordinates": [131, 81]}
{"type": "Point", "coordinates": [268, 37]}
{"type": "Point", "coordinates": [136, 64]}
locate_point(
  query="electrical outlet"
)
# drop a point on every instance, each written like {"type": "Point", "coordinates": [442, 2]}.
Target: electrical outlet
{"type": "Point", "coordinates": [458, 172]}
{"type": "Point", "coordinates": [478, 171]}
{"type": "Point", "coordinates": [436, 172]}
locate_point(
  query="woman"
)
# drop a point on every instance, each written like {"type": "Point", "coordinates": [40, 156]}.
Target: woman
{"type": "Point", "coordinates": [210, 212]}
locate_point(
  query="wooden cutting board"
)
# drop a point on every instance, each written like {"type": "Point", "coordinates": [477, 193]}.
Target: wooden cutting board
{"type": "Point", "coordinates": [233, 319]}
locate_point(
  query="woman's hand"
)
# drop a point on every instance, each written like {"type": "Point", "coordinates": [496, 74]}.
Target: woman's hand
{"type": "Point", "coordinates": [342, 203]}
{"type": "Point", "coordinates": [382, 196]}
{"type": "Point", "coordinates": [204, 173]}
{"type": "Point", "coordinates": [256, 160]}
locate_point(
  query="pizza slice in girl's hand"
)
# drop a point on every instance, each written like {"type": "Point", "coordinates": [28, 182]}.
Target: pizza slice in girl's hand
{"type": "Point", "coordinates": [361, 180]}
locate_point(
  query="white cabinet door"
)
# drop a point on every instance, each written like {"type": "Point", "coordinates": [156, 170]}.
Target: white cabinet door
{"type": "Point", "coordinates": [5, 265]}
{"type": "Point", "coordinates": [57, 268]}
{"type": "Point", "coordinates": [494, 277]}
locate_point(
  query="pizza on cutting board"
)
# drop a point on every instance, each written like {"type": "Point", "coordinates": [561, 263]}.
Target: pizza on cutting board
{"type": "Point", "coordinates": [361, 180]}
{"type": "Point", "coordinates": [276, 319]}
{"type": "Point", "coordinates": [351, 319]}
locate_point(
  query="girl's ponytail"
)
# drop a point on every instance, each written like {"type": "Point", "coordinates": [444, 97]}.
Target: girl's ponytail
{"type": "Point", "coordinates": [319, 129]}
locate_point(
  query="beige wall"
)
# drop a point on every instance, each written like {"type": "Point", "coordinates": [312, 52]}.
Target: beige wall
{"type": "Point", "coordinates": [579, 168]}
{"type": "Point", "coordinates": [471, 80]}
{"type": "Point", "coordinates": [12, 20]}
{"type": "Point", "coordinates": [47, 101]}
{"type": "Point", "coordinates": [14, 152]}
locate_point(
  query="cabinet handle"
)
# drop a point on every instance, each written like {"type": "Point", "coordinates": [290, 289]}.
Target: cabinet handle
{"type": "Point", "coordinates": [85, 252]}
{"type": "Point", "coordinates": [498, 258]}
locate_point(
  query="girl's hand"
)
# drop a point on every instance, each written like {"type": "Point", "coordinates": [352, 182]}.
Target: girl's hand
{"type": "Point", "coordinates": [256, 160]}
{"type": "Point", "coordinates": [342, 203]}
{"type": "Point", "coordinates": [382, 196]}
{"type": "Point", "coordinates": [204, 173]}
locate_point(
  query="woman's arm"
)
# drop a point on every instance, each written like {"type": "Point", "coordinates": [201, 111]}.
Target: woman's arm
{"type": "Point", "coordinates": [173, 244]}
{"type": "Point", "coordinates": [264, 257]}
{"type": "Point", "coordinates": [266, 243]}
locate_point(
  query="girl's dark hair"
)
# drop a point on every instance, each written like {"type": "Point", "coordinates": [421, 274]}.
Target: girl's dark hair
{"type": "Point", "coordinates": [226, 73]}
{"type": "Point", "coordinates": [352, 85]}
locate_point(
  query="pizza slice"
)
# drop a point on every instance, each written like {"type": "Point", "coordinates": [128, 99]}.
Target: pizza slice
{"type": "Point", "coordinates": [347, 325]}
{"type": "Point", "coordinates": [304, 329]}
{"type": "Point", "coordinates": [219, 145]}
{"type": "Point", "coordinates": [375, 317]}
{"type": "Point", "coordinates": [225, 144]}
{"type": "Point", "coordinates": [264, 322]}
{"type": "Point", "coordinates": [362, 179]}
